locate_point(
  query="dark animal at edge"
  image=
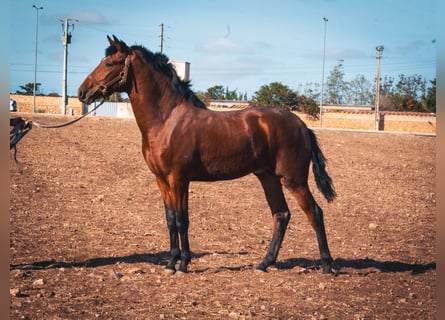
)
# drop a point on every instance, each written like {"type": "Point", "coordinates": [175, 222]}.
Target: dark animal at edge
{"type": "Point", "coordinates": [183, 141]}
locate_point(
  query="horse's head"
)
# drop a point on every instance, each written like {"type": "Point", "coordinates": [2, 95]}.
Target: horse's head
{"type": "Point", "coordinates": [110, 75]}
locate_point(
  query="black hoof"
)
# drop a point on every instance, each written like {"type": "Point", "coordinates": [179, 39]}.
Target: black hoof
{"type": "Point", "coordinates": [261, 268]}
{"type": "Point", "coordinates": [327, 270]}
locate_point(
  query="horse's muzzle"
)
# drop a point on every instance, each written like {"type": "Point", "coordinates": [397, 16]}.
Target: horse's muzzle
{"type": "Point", "coordinates": [87, 96]}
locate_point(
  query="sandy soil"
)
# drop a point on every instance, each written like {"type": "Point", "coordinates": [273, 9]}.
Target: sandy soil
{"type": "Point", "coordinates": [88, 239]}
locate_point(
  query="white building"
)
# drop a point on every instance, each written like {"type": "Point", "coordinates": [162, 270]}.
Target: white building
{"type": "Point", "coordinates": [182, 69]}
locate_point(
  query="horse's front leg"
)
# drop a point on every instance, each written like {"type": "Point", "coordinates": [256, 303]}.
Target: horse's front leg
{"type": "Point", "coordinates": [175, 195]}
{"type": "Point", "coordinates": [182, 225]}
{"type": "Point", "coordinates": [170, 217]}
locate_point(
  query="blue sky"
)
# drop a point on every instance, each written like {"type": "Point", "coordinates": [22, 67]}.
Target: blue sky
{"type": "Point", "coordinates": [242, 44]}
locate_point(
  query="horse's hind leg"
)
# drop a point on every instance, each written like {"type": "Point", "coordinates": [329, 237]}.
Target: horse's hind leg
{"type": "Point", "coordinates": [315, 215]}
{"type": "Point", "coordinates": [280, 212]}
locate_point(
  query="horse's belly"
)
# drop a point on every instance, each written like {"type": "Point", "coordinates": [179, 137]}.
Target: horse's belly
{"type": "Point", "coordinates": [224, 170]}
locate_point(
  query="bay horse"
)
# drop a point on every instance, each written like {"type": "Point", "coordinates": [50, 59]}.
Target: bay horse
{"type": "Point", "coordinates": [183, 141]}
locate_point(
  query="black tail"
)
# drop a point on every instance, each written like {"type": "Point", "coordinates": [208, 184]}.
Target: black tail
{"type": "Point", "coordinates": [323, 180]}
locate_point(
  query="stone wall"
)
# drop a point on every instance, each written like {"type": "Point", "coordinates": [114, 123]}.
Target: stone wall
{"type": "Point", "coordinates": [365, 120]}
{"type": "Point", "coordinates": [45, 104]}
{"type": "Point", "coordinates": [361, 120]}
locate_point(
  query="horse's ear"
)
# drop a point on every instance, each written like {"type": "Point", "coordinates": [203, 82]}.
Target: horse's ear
{"type": "Point", "coordinates": [120, 45]}
{"type": "Point", "coordinates": [110, 41]}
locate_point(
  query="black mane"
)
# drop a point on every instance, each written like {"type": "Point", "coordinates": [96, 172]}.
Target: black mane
{"type": "Point", "coordinates": [161, 63]}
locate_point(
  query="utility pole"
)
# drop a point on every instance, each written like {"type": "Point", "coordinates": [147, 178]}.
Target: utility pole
{"type": "Point", "coordinates": [322, 73]}
{"type": "Point", "coordinates": [35, 58]}
{"type": "Point", "coordinates": [161, 37]}
{"type": "Point", "coordinates": [377, 94]}
{"type": "Point", "coordinates": [66, 39]}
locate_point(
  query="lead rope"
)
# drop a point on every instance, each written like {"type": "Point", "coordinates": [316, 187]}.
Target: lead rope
{"type": "Point", "coordinates": [22, 127]}
{"type": "Point", "coordinates": [69, 122]}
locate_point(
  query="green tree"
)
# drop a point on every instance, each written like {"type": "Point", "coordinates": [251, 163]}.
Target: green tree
{"type": "Point", "coordinates": [275, 94]}
{"type": "Point", "coordinates": [28, 89]}
{"type": "Point", "coordinates": [230, 94]}
{"type": "Point", "coordinates": [310, 90]}
{"type": "Point", "coordinates": [430, 99]}
{"type": "Point", "coordinates": [308, 105]}
{"type": "Point", "coordinates": [360, 91]}
{"type": "Point", "coordinates": [388, 99]}
{"type": "Point", "coordinates": [336, 86]}
{"type": "Point", "coordinates": [409, 94]}
{"type": "Point", "coordinates": [413, 86]}
{"type": "Point", "coordinates": [216, 92]}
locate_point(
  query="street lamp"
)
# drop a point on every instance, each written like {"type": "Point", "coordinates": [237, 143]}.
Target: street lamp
{"type": "Point", "coordinates": [35, 57]}
{"type": "Point", "coordinates": [377, 94]}
{"type": "Point", "coordinates": [322, 73]}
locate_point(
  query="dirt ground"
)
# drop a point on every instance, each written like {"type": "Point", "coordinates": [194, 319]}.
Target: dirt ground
{"type": "Point", "coordinates": [88, 237]}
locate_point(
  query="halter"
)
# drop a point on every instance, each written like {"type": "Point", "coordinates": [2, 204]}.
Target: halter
{"type": "Point", "coordinates": [121, 78]}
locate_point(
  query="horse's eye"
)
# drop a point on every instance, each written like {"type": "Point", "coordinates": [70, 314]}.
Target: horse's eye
{"type": "Point", "coordinates": [109, 64]}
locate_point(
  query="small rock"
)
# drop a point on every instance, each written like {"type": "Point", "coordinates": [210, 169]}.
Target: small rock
{"type": "Point", "coordinates": [372, 226]}
{"type": "Point", "coordinates": [117, 274]}
{"type": "Point", "coordinates": [136, 270]}
{"type": "Point", "coordinates": [302, 270]}
{"type": "Point", "coordinates": [38, 282]}
{"type": "Point", "coordinates": [15, 292]}
{"type": "Point", "coordinates": [125, 278]}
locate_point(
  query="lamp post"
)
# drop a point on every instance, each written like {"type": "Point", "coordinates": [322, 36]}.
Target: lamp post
{"type": "Point", "coordinates": [322, 73]}
{"type": "Point", "coordinates": [66, 40]}
{"type": "Point", "coordinates": [35, 58]}
{"type": "Point", "coordinates": [377, 94]}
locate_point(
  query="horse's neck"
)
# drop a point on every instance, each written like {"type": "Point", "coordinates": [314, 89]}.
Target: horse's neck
{"type": "Point", "coordinates": [152, 97]}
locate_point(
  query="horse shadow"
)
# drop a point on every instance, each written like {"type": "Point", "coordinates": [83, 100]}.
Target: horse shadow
{"type": "Point", "coordinates": [365, 265]}
{"type": "Point", "coordinates": [160, 258]}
